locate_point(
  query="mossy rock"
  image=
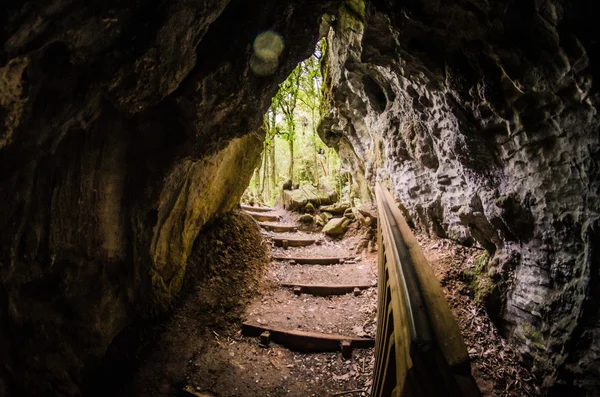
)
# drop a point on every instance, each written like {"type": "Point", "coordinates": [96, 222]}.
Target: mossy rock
{"type": "Point", "coordinates": [307, 218]}
{"type": "Point", "coordinates": [299, 198]}
{"type": "Point", "coordinates": [337, 208]}
{"type": "Point", "coordinates": [481, 282]}
{"type": "Point", "coordinates": [336, 226]}
{"type": "Point", "coordinates": [349, 214]}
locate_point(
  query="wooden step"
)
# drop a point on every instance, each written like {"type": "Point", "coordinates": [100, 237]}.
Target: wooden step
{"type": "Point", "coordinates": [312, 261]}
{"type": "Point", "coordinates": [278, 228]}
{"type": "Point", "coordinates": [307, 341]}
{"type": "Point", "coordinates": [326, 290]}
{"type": "Point", "coordinates": [263, 217]}
{"type": "Point", "coordinates": [289, 242]}
{"type": "Point", "coordinates": [256, 209]}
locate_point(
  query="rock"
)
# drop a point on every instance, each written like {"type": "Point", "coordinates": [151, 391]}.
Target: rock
{"type": "Point", "coordinates": [481, 118]}
{"type": "Point", "coordinates": [503, 150]}
{"type": "Point", "coordinates": [336, 226]}
{"type": "Point", "coordinates": [349, 214]}
{"type": "Point", "coordinates": [368, 211]}
{"type": "Point", "coordinates": [372, 246]}
{"type": "Point", "coordinates": [319, 221]}
{"type": "Point", "coordinates": [299, 198]}
{"type": "Point", "coordinates": [124, 129]}
{"type": "Point", "coordinates": [367, 221]}
{"type": "Point", "coordinates": [306, 218]}
{"type": "Point", "coordinates": [195, 392]}
{"type": "Point", "coordinates": [337, 208]}
{"type": "Point", "coordinates": [362, 245]}
{"type": "Point", "coordinates": [324, 185]}
{"type": "Point", "coordinates": [287, 185]}
{"type": "Point", "coordinates": [309, 207]}
{"type": "Point", "coordinates": [326, 216]}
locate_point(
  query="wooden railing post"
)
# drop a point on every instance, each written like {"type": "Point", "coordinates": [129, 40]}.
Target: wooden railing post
{"type": "Point", "coordinates": [419, 349]}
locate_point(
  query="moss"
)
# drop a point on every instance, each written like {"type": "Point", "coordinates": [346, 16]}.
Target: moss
{"type": "Point", "coordinates": [194, 192]}
{"type": "Point", "coordinates": [352, 15]}
{"type": "Point", "coordinates": [356, 8]}
{"type": "Point", "coordinates": [481, 283]}
{"type": "Point", "coordinates": [534, 336]}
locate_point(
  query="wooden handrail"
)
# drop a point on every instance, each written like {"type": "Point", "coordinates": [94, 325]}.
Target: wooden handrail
{"type": "Point", "coordinates": [419, 350]}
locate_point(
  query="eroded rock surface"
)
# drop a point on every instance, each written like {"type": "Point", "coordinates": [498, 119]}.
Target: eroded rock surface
{"type": "Point", "coordinates": [124, 127]}
{"type": "Point", "coordinates": [482, 118]}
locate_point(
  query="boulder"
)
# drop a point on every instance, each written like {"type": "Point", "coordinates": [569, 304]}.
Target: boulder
{"type": "Point", "coordinates": [309, 207]}
{"type": "Point", "coordinates": [367, 221]}
{"type": "Point", "coordinates": [366, 215]}
{"type": "Point", "coordinates": [326, 216]}
{"type": "Point", "coordinates": [368, 211]}
{"type": "Point", "coordinates": [299, 198]}
{"type": "Point", "coordinates": [287, 185]}
{"type": "Point", "coordinates": [336, 226]}
{"type": "Point", "coordinates": [337, 208]}
{"type": "Point", "coordinates": [325, 186]}
{"type": "Point", "coordinates": [306, 218]}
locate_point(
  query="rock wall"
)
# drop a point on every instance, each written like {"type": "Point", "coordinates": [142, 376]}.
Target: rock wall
{"type": "Point", "coordinates": [124, 127]}
{"type": "Point", "coordinates": [482, 118]}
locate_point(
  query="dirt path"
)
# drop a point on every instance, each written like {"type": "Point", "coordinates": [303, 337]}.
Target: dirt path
{"type": "Point", "coordinates": [200, 346]}
{"type": "Point", "coordinates": [312, 374]}
{"type": "Point", "coordinates": [230, 364]}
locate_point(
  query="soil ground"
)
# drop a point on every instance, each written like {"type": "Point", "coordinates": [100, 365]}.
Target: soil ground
{"type": "Point", "coordinates": [494, 363]}
{"type": "Point", "coordinates": [201, 347]}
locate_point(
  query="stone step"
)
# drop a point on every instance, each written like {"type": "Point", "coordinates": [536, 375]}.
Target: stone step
{"type": "Point", "coordinates": [290, 242]}
{"type": "Point", "coordinates": [325, 289]}
{"type": "Point", "coordinates": [256, 209]}
{"type": "Point", "coordinates": [278, 228]}
{"type": "Point", "coordinates": [313, 261]}
{"type": "Point", "coordinates": [307, 341]}
{"type": "Point", "coordinates": [263, 217]}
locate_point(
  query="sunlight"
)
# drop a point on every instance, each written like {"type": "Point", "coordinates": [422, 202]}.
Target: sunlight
{"type": "Point", "coordinates": [293, 150]}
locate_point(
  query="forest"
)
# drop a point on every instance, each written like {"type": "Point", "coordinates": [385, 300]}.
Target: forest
{"type": "Point", "coordinates": [293, 152]}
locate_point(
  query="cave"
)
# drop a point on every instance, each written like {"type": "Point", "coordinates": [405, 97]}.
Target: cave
{"type": "Point", "coordinates": [127, 127]}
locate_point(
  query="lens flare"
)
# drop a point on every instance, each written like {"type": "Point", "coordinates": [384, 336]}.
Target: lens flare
{"type": "Point", "coordinates": [267, 48]}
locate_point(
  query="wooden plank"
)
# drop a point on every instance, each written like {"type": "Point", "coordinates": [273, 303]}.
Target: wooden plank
{"type": "Point", "coordinates": [312, 261]}
{"type": "Point", "coordinates": [306, 341]}
{"type": "Point", "coordinates": [263, 217]}
{"type": "Point", "coordinates": [327, 290]}
{"type": "Point", "coordinates": [293, 242]}
{"type": "Point", "coordinates": [441, 320]}
{"type": "Point", "coordinates": [278, 228]}
{"type": "Point", "coordinates": [256, 209]}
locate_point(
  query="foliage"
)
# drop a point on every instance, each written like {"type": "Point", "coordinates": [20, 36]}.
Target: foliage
{"type": "Point", "coordinates": [293, 149]}
{"type": "Point", "coordinates": [481, 283]}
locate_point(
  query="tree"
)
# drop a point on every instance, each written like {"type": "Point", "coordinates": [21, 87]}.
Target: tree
{"type": "Point", "coordinates": [311, 97]}
{"type": "Point", "coordinates": [291, 137]}
{"type": "Point", "coordinates": [286, 100]}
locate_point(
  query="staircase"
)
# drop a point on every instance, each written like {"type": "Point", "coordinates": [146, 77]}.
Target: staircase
{"type": "Point", "coordinates": [323, 297]}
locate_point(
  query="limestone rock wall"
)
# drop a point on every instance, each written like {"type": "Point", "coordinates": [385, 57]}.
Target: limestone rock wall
{"type": "Point", "coordinates": [124, 127]}
{"type": "Point", "coordinates": [482, 118]}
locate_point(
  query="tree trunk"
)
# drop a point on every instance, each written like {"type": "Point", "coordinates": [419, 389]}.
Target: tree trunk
{"type": "Point", "coordinates": [264, 168]}
{"type": "Point", "coordinates": [256, 179]}
{"type": "Point", "coordinates": [273, 167]}
{"type": "Point", "coordinates": [291, 169]}
{"type": "Point", "coordinates": [315, 165]}
{"type": "Point", "coordinates": [313, 121]}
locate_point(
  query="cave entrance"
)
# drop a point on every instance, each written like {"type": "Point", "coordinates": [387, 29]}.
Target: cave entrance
{"type": "Point", "coordinates": [293, 152]}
